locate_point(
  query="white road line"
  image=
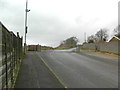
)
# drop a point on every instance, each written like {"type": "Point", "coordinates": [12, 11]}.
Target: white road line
{"type": "Point", "coordinates": [52, 71]}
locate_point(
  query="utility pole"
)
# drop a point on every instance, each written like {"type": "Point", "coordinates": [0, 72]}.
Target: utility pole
{"type": "Point", "coordinates": [85, 36]}
{"type": "Point", "coordinates": [101, 34]}
{"type": "Point", "coordinates": [26, 27]}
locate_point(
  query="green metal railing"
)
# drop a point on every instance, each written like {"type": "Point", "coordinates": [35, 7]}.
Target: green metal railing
{"type": "Point", "coordinates": [11, 56]}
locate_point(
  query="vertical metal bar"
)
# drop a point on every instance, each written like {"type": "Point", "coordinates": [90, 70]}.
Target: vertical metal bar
{"type": "Point", "coordinates": [11, 46]}
{"type": "Point", "coordinates": [10, 57]}
{"type": "Point", "coordinates": [15, 52]}
{"type": "Point", "coordinates": [6, 60]}
{"type": "Point", "coordinates": [1, 53]}
{"type": "Point", "coordinates": [14, 56]}
{"type": "Point", "coordinates": [18, 47]}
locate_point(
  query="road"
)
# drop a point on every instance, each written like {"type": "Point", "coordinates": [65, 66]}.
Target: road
{"type": "Point", "coordinates": [78, 70]}
{"type": "Point", "coordinates": [34, 74]}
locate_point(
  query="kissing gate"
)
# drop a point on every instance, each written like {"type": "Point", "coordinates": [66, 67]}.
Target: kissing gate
{"type": "Point", "coordinates": [10, 57]}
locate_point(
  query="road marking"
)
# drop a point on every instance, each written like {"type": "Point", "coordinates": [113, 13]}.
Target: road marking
{"type": "Point", "coordinates": [52, 71]}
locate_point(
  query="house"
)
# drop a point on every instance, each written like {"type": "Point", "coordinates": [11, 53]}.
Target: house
{"type": "Point", "coordinates": [38, 48]}
{"type": "Point", "coordinates": [114, 38]}
{"type": "Point", "coordinates": [31, 47]}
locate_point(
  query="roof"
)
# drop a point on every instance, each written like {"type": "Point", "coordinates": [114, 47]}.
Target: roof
{"type": "Point", "coordinates": [113, 37]}
{"type": "Point", "coordinates": [118, 35]}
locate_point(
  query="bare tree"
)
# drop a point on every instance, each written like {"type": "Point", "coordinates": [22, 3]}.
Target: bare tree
{"type": "Point", "coordinates": [102, 34]}
{"type": "Point", "coordinates": [116, 31]}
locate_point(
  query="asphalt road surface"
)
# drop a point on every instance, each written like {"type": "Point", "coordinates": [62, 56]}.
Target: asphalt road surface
{"type": "Point", "coordinates": [81, 70]}
{"type": "Point", "coordinates": [34, 74]}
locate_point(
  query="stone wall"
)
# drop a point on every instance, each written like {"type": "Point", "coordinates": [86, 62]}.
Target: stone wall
{"type": "Point", "coordinates": [112, 47]}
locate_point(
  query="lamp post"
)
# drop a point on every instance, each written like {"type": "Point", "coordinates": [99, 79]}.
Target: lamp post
{"type": "Point", "coordinates": [26, 10]}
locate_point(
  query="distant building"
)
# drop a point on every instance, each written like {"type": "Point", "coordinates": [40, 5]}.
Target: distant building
{"type": "Point", "coordinates": [33, 47]}
{"type": "Point", "coordinates": [38, 48]}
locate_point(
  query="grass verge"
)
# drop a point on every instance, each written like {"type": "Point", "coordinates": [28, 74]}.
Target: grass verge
{"type": "Point", "coordinates": [103, 52]}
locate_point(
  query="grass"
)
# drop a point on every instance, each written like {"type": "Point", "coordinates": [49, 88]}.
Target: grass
{"type": "Point", "coordinates": [61, 48]}
{"type": "Point", "coordinates": [18, 69]}
{"type": "Point", "coordinates": [104, 52]}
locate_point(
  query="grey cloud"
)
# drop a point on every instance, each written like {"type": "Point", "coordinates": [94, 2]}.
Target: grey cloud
{"type": "Point", "coordinates": [46, 26]}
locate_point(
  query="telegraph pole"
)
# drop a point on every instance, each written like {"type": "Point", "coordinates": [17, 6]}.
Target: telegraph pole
{"type": "Point", "coordinates": [85, 36]}
{"type": "Point", "coordinates": [26, 27]}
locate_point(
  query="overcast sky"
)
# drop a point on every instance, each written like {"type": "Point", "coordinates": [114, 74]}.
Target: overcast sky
{"type": "Point", "coordinates": [51, 21]}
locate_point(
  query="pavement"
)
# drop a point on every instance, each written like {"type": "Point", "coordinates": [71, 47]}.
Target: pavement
{"type": "Point", "coordinates": [34, 74]}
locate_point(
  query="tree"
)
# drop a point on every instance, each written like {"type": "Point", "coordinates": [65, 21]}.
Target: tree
{"type": "Point", "coordinates": [62, 43]}
{"type": "Point", "coordinates": [70, 42]}
{"type": "Point", "coordinates": [91, 39]}
{"type": "Point", "coordinates": [116, 31]}
{"type": "Point", "coordinates": [102, 34]}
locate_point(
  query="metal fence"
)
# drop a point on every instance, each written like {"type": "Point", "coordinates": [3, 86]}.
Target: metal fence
{"type": "Point", "coordinates": [10, 57]}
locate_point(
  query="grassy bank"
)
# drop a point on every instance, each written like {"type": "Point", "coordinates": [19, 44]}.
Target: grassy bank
{"type": "Point", "coordinates": [61, 48]}
{"type": "Point", "coordinates": [103, 52]}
